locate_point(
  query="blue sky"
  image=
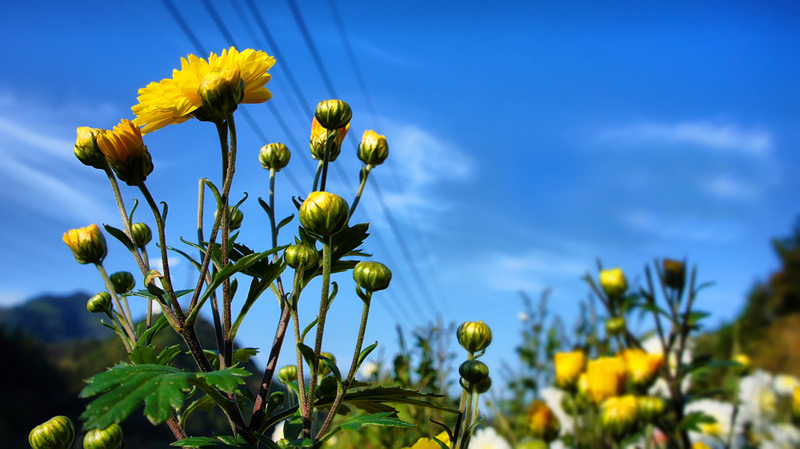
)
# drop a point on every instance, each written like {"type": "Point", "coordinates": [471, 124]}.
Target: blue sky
{"type": "Point", "coordinates": [526, 141]}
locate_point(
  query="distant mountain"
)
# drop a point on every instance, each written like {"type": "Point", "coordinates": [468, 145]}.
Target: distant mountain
{"type": "Point", "coordinates": [52, 319]}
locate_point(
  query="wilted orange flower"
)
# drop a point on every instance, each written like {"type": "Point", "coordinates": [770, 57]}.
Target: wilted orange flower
{"type": "Point", "coordinates": [174, 100]}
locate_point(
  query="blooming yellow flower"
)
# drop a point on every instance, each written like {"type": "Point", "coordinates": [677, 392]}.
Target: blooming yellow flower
{"type": "Point", "coordinates": [569, 366]}
{"type": "Point", "coordinates": [125, 151]}
{"type": "Point", "coordinates": [319, 136]}
{"type": "Point", "coordinates": [175, 100]}
{"type": "Point", "coordinates": [606, 378]}
{"type": "Point", "coordinates": [87, 244]}
{"type": "Point", "coordinates": [642, 367]}
{"type": "Point", "coordinates": [430, 443]}
{"type": "Point", "coordinates": [613, 282]}
{"type": "Point", "coordinates": [619, 415]}
{"type": "Point", "coordinates": [543, 422]}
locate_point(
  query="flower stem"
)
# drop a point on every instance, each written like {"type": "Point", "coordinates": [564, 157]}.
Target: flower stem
{"type": "Point", "coordinates": [126, 322]}
{"type": "Point", "coordinates": [326, 159]}
{"type": "Point", "coordinates": [364, 175]}
{"type": "Point", "coordinates": [317, 175]}
{"type": "Point", "coordinates": [323, 311]}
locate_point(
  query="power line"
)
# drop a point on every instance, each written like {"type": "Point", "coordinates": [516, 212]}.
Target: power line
{"type": "Point", "coordinates": [312, 48]}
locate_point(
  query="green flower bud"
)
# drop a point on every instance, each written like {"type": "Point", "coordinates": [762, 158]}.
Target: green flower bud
{"type": "Point", "coordinates": [221, 92]}
{"type": "Point", "coordinates": [474, 336]}
{"type": "Point", "coordinates": [141, 234]}
{"type": "Point", "coordinates": [57, 433]}
{"type": "Point", "coordinates": [123, 282]}
{"type": "Point", "coordinates": [473, 371]}
{"type": "Point", "coordinates": [287, 374]}
{"type": "Point", "coordinates": [615, 326]}
{"type": "Point", "coordinates": [87, 244]}
{"type": "Point", "coordinates": [324, 213]}
{"type": "Point", "coordinates": [300, 257]}
{"type": "Point", "coordinates": [323, 369]}
{"type": "Point", "coordinates": [619, 416]}
{"type": "Point", "coordinates": [235, 217]}
{"type": "Point", "coordinates": [99, 303]}
{"type": "Point", "coordinates": [373, 149]}
{"type": "Point", "coordinates": [372, 276]}
{"type": "Point", "coordinates": [484, 385]}
{"type": "Point", "coordinates": [86, 149]}
{"type": "Point", "coordinates": [333, 114]}
{"type": "Point", "coordinates": [321, 137]}
{"type": "Point", "coordinates": [651, 408]}
{"type": "Point", "coordinates": [674, 273]}
{"type": "Point", "coordinates": [274, 156]}
{"type": "Point", "coordinates": [108, 438]}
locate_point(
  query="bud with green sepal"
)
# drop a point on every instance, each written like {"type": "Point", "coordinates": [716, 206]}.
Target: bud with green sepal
{"type": "Point", "coordinates": [274, 156]}
{"type": "Point", "coordinates": [99, 303]}
{"type": "Point", "coordinates": [373, 149]}
{"type": "Point", "coordinates": [87, 244]}
{"type": "Point", "coordinates": [651, 408]}
{"type": "Point", "coordinates": [323, 369]}
{"type": "Point", "coordinates": [543, 422]}
{"type": "Point", "coordinates": [108, 438]}
{"type": "Point", "coordinates": [333, 114]}
{"type": "Point", "coordinates": [324, 213]}
{"type": "Point", "coordinates": [287, 374]}
{"type": "Point", "coordinates": [235, 217]}
{"type": "Point", "coordinates": [473, 371]}
{"type": "Point", "coordinates": [674, 274]}
{"type": "Point", "coordinates": [616, 325]}
{"type": "Point", "coordinates": [86, 149]}
{"type": "Point", "coordinates": [300, 257]}
{"type": "Point", "coordinates": [483, 386]}
{"type": "Point", "coordinates": [141, 234]}
{"type": "Point", "coordinates": [220, 92]}
{"type": "Point", "coordinates": [122, 281]}
{"type": "Point", "coordinates": [372, 276]}
{"type": "Point", "coordinates": [613, 282]}
{"type": "Point", "coordinates": [56, 433]}
{"type": "Point", "coordinates": [619, 416]}
{"type": "Point", "coordinates": [474, 336]}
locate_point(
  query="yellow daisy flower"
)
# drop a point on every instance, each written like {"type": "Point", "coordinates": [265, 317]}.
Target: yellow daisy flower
{"type": "Point", "coordinates": [176, 99]}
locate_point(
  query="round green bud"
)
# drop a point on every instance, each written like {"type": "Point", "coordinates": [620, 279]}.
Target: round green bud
{"type": "Point", "coordinates": [108, 438]}
{"type": "Point", "coordinates": [287, 374]}
{"type": "Point", "coordinates": [474, 371]}
{"type": "Point", "coordinates": [86, 149]}
{"type": "Point", "coordinates": [141, 234]}
{"type": "Point", "coordinates": [615, 326]}
{"type": "Point", "coordinates": [373, 149]}
{"type": "Point", "coordinates": [323, 368]}
{"type": "Point", "coordinates": [651, 408]}
{"type": "Point", "coordinates": [235, 217]}
{"type": "Point", "coordinates": [221, 91]}
{"type": "Point", "coordinates": [619, 416]}
{"type": "Point", "coordinates": [274, 156]}
{"type": "Point", "coordinates": [99, 303]}
{"type": "Point", "coordinates": [324, 213]}
{"type": "Point", "coordinates": [674, 273]}
{"type": "Point", "coordinates": [613, 282]}
{"type": "Point", "coordinates": [372, 276]}
{"type": "Point", "coordinates": [483, 386]}
{"type": "Point", "coordinates": [333, 114]}
{"type": "Point", "coordinates": [56, 433]}
{"type": "Point", "coordinates": [300, 257]}
{"type": "Point", "coordinates": [122, 281]}
{"type": "Point", "coordinates": [474, 336]}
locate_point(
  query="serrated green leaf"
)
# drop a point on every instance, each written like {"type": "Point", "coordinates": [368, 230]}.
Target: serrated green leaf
{"type": "Point", "coordinates": [120, 235]}
{"type": "Point", "coordinates": [376, 419]}
{"type": "Point", "coordinates": [215, 441]}
{"type": "Point", "coordinates": [257, 287]}
{"type": "Point", "coordinates": [123, 388]}
{"type": "Point", "coordinates": [143, 355]}
{"type": "Point", "coordinates": [244, 354]}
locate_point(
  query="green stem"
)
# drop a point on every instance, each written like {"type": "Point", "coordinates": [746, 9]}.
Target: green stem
{"type": "Point", "coordinates": [302, 399]}
{"type": "Point", "coordinates": [575, 422]}
{"type": "Point", "coordinates": [326, 158]}
{"type": "Point", "coordinates": [126, 322]}
{"type": "Point", "coordinates": [227, 300]}
{"type": "Point", "coordinates": [317, 174]}
{"type": "Point", "coordinates": [126, 224]}
{"type": "Point", "coordinates": [201, 191]}
{"type": "Point", "coordinates": [323, 311]}
{"type": "Point", "coordinates": [364, 175]}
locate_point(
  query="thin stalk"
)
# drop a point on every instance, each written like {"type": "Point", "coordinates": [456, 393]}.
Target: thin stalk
{"type": "Point", "coordinates": [227, 359]}
{"type": "Point", "coordinates": [323, 311]}
{"type": "Point", "coordinates": [302, 399]}
{"type": "Point", "coordinates": [260, 405]}
{"type": "Point", "coordinates": [326, 158]}
{"type": "Point", "coordinates": [364, 176]}
{"type": "Point", "coordinates": [337, 401]}
{"type": "Point", "coordinates": [576, 433]}
{"type": "Point", "coordinates": [317, 174]}
{"type": "Point", "coordinates": [176, 429]}
{"type": "Point", "coordinates": [126, 323]}
{"type": "Point", "coordinates": [201, 190]}
{"type": "Point", "coordinates": [126, 224]}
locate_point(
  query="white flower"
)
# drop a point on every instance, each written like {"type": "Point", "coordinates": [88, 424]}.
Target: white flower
{"type": "Point", "coordinates": [487, 438]}
{"type": "Point", "coordinates": [523, 316]}
{"type": "Point", "coordinates": [653, 346]}
{"type": "Point", "coordinates": [277, 433]}
{"type": "Point", "coordinates": [714, 435]}
{"type": "Point", "coordinates": [784, 384]}
{"type": "Point", "coordinates": [757, 400]}
{"type": "Point", "coordinates": [369, 369]}
{"type": "Point", "coordinates": [784, 436]}
{"type": "Point", "coordinates": [552, 397]}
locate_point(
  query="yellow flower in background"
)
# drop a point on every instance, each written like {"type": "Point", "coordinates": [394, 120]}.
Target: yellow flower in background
{"type": "Point", "coordinates": [319, 136]}
{"type": "Point", "coordinates": [175, 100]}
{"type": "Point", "coordinates": [642, 367]}
{"type": "Point", "coordinates": [619, 415]}
{"type": "Point", "coordinates": [430, 443]}
{"type": "Point", "coordinates": [700, 445]}
{"type": "Point", "coordinates": [87, 244]}
{"type": "Point", "coordinates": [569, 366]}
{"type": "Point", "coordinates": [606, 378]}
{"type": "Point", "coordinates": [125, 151]}
{"type": "Point", "coordinates": [796, 403]}
{"type": "Point", "coordinates": [543, 422]}
{"type": "Point", "coordinates": [613, 282]}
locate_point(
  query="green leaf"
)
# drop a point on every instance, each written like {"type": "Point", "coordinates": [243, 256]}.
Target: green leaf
{"type": "Point", "coordinates": [266, 441]}
{"type": "Point", "coordinates": [205, 403]}
{"type": "Point", "coordinates": [293, 427]}
{"type": "Point", "coordinates": [284, 222]}
{"type": "Point", "coordinates": [191, 260]}
{"type": "Point", "coordinates": [150, 334]}
{"type": "Point", "coordinates": [696, 316]}
{"type": "Point", "coordinates": [266, 208]}
{"type": "Point", "coordinates": [332, 295]}
{"type": "Point", "coordinates": [376, 419]}
{"type": "Point", "coordinates": [215, 441]}
{"type": "Point", "coordinates": [257, 287]}
{"type": "Point", "coordinates": [123, 388]}
{"type": "Point", "coordinates": [365, 353]}
{"type": "Point", "coordinates": [332, 366]}
{"type": "Point", "coordinates": [308, 329]}
{"type": "Point", "coordinates": [243, 354]}
{"type": "Point", "coordinates": [143, 355]}
{"type": "Point", "coordinates": [308, 355]}
{"type": "Point", "coordinates": [693, 420]}
{"type": "Point", "coordinates": [120, 235]}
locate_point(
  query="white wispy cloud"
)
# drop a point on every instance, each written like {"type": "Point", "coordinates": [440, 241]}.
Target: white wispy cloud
{"type": "Point", "coordinates": [719, 137]}
{"type": "Point", "coordinates": [731, 187]}
{"type": "Point", "coordinates": [530, 270]}
{"type": "Point", "coordinates": [685, 227]}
